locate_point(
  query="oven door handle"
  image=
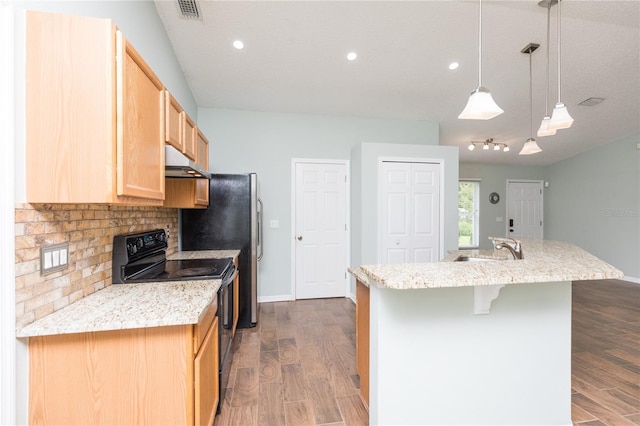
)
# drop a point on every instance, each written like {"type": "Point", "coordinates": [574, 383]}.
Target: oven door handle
{"type": "Point", "coordinates": [229, 276]}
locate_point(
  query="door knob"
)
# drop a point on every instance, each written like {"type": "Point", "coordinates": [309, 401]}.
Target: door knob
{"type": "Point", "coordinates": [299, 237]}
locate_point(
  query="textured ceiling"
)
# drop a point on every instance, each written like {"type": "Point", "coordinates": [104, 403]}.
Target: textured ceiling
{"type": "Point", "coordinates": [294, 62]}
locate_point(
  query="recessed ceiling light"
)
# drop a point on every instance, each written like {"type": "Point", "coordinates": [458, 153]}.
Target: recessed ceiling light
{"type": "Point", "coordinates": [352, 56]}
{"type": "Point", "coordinates": [453, 65]}
{"type": "Point", "coordinates": [238, 44]}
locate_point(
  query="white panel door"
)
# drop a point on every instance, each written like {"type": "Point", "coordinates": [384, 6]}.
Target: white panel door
{"type": "Point", "coordinates": [410, 213]}
{"type": "Point", "coordinates": [321, 230]}
{"type": "Point", "coordinates": [525, 209]}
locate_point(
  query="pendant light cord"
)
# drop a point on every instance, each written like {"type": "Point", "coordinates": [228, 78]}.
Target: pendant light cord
{"type": "Point", "coordinates": [546, 96]}
{"type": "Point", "coordinates": [530, 98]}
{"type": "Point", "coordinates": [559, 55]}
{"type": "Point", "coordinates": [480, 45]}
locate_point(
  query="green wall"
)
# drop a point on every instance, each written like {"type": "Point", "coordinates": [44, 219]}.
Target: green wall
{"type": "Point", "coordinates": [493, 178]}
{"type": "Point", "coordinates": [266, 143]}
{"type": "Point", "coordinates": [594, 202]}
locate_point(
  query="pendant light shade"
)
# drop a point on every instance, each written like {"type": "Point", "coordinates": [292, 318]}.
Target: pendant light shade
{"type": "Point", "coordinates": [530, 147]}
{"type": "Point", "coordinates": [480, 105]}
{"type": "Point", "coordinates": [560, 119]}
{"type": "Point", "coordinates": [544, 129]}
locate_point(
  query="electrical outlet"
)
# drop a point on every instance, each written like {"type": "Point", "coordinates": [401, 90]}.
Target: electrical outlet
{"type": "Point", "coordinates": [54, 258]}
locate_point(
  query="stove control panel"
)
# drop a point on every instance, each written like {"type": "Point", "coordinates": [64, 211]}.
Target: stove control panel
{"type": "Point", "coordinates": [128, 247]}
{"type": "Point", "coordinates": [146, 242]}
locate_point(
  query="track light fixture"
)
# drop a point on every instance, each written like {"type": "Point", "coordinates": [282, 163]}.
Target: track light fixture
{"type": "Point", "coordinates": [488, 144]}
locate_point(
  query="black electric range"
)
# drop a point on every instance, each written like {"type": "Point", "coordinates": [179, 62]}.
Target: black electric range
{"type": "Point", "coordinates": [141, 257]}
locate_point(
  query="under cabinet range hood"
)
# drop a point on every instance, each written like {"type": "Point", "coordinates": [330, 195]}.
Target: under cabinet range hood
{"type": "Point", "coordinates": [177, 165]}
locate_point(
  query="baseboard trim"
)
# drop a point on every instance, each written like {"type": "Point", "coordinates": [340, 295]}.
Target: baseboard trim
{"type": "Point", "coordinates": [289, 298]}
{"type": "Point", "coordinates": [281, 298]}
{"type": "Point", "coordinates": [631, 279]}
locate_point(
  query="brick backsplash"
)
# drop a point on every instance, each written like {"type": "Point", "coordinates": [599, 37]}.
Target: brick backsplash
{"type": "Point", "coordinates": [89, 230]}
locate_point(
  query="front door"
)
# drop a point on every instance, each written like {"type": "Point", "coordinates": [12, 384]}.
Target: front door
{"type": "Point", "coordinates": [410, 212]}
{"type": "Point", "coordinates": [320, 229]}
{"type": "Point", "coordinates": [524, 204]}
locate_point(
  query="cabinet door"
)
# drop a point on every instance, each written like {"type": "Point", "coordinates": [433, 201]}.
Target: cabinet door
{"type": "Point", "coordinates": [173, 122]}
{"type": "Point", "coordinates": [202, 192]}
{"type": "Point", "coordinates": [69, 111]}
{"type": "Point", "coordinates": [140, 115]}
{"type": "Point", "coordinates": [206, 378]}
{"type": "Point", "coordinates": [189, 136]}
{"type": "Point", "coordinates": [202, 151]}
{"type": "Point", "coordinates": [186, 193]}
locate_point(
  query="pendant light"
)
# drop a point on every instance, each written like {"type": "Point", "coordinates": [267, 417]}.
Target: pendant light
{"type": "Point", "coordinates": [530, 146]}
{"type": "Point", "coordinates": [560, 119]}
{"type": "Point", "coordinates": [480, 105]}
{"type": "Point", "coordinates": [544, 129]}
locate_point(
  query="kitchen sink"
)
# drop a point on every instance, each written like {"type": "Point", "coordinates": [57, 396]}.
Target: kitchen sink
{"type": "Point", "coordinates": [465, 258]}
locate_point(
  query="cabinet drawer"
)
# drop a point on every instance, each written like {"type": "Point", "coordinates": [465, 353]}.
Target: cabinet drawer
{"type": "Point", "coordinates": [200, 329]}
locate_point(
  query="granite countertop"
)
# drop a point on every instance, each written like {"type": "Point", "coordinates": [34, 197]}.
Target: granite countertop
{"type": "Point", "coordinates": [138, 305]}
{"type": "Point", "coordinates": [204, 254]}
{"type": "Point", "coordinates": [544, 261]}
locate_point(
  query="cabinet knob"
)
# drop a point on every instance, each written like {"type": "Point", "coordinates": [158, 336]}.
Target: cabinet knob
{"type": "Point", "coordinates": [299, 237]}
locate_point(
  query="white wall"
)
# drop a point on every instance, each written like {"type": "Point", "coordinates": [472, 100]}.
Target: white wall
{"type": "Point", "coordinates": [8, 342]}
{"type": "Point", "coordinates": [265, 143]}
{"type": "Point", "coordinates": [594, 202]}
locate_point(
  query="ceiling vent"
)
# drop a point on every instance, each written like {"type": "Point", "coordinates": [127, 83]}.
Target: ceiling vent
{"type": "Point", "coordinates": [591, 101]}
{"type": "Point", "coordinates": [189, 9]}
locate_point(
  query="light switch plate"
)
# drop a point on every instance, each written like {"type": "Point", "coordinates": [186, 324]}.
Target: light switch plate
{"type": "Point", "coordinates": [54, 258]}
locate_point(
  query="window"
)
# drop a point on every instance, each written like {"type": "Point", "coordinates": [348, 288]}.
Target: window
{"type": "Point", "coordinates": [468, 213]}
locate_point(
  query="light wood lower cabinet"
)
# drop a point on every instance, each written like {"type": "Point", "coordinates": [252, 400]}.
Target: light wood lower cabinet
{"type": "Point", "coordinates": [362, 339]}
{"type": "Point", "coordinates": [145, 376]}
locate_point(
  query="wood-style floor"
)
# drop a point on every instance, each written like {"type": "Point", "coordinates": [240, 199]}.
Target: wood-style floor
{"type": "Point", "coordinates": [298, 366]}
{"type": "Point", "coordinates": [605, 361]}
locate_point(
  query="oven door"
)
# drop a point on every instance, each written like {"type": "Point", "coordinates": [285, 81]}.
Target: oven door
{"type": "Point", "coordinates": [225, 331]}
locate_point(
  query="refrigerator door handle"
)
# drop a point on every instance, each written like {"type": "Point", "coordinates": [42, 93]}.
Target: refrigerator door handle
{"type": "Point", "coordinates": [260, 248]}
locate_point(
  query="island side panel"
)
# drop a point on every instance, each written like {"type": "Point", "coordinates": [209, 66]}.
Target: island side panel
{"type": "Point", "coordinates": [362, 339]}
{"type": "Point", "coordinates": [432, 361]}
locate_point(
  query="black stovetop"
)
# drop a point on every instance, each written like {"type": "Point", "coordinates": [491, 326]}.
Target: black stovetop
{"type": "Point", "coordinates": [141, 257]}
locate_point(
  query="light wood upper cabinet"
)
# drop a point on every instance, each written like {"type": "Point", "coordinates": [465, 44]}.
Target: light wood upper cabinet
{"type": "Point", "coordinates": [173, 122]}
{"type": "Point", "coordinates": [186, 193]}
{"type": "Point", "coordinates": [140, 116]}
{"type": "Point", "coordinates": [94, 115]}
{"type": "Point", "coordinates": [202, 151]}
{"type": "Point", "coordinates": [190, 135]}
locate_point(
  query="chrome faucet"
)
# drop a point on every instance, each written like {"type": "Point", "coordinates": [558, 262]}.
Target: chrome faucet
{"type": "Point", "coordinates": [510, 244]}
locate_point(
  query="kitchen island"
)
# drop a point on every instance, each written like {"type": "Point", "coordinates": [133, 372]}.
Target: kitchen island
{"type": "Point", "coordinates": [482, 341]}
{"type": "Point", "coordinates": [140, 353]}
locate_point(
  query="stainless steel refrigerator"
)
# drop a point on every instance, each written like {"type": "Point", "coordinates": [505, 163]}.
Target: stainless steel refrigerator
{"type": "Point", "coordinates": [232, 221]}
